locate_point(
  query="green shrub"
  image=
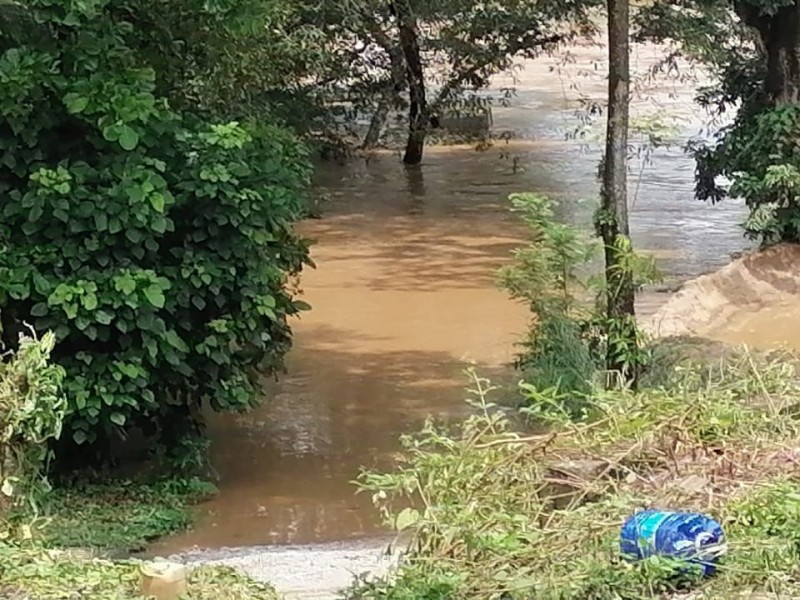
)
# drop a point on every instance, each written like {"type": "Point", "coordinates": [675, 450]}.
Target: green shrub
{"type": "Point", "coordinates": [548, 274]}
{"type": "Point", "coordinates": [552, 275]}
{"type": "Point", "coordinates": [32, 410]}
{"type": "Point", "coordinates": [158, 248]}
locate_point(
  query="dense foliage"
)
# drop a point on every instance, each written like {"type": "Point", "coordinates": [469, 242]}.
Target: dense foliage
{"type": "Point", "coordinates": [570, 335]}
{"type": "Point", "coordinates": [751, 49]}
{"type": "Point", "coordinates": [32, 572]}
{"type": "Point", "coordinates": [157, 246]}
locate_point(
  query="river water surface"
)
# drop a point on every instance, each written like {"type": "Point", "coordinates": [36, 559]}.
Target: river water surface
{"type": "Point", "coordinates": [404, 297]}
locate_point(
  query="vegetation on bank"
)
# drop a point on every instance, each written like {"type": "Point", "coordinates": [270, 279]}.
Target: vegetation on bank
{"type": "Point", "coordinates": [155, 243]}
{"type": "Point", "coordinates": [153, 166]}
{"type": "Point", "coordinates": [502, 514]}
{"type": "Point", "coordinates": [117, 517]}
{"type": "Point", "coordinates": [57, 543]}
{"type": "Point", "coordinates": [491, 511]}
{"type": "Point", "coordinates": [30, 572]}
{"type": "Point", "coordinates": [554, 275]}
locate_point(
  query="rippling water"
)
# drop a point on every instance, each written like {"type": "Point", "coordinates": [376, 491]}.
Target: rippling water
{"type": "Point", "coordinates": [403, 296]}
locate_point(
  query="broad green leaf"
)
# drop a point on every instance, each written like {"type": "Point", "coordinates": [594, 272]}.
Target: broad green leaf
{"type": "Point", "coordinates": [155, 296]}
{"type": "Point", "coordinates": [159, 225]}
{"type": "Point", "coordinates": [75, 103]}
{"type": "Point", "coordinates": [300, 305]}
{"type": "Point", "coordinates": [174, 340]}
{"type": "Point", "coordinates": [135, 193]}
{"type": "Point", "coordinates": [39, 309]}
{"type": "Point", "coordinates": [89, 301]}
{"type": "Point", "coordinates": [125, 284]}
{"type": "Point", "coordinates": [111, 133]}
{"type": "Point", "coordinates": [100, 221]}
{"type": "Point", "coordinates": [71, 310]}
{"type": "Point", "coordinates": [103, 317]}
{"type": "Point", "coordinates": [157, 201]}
{"type": "Point", "coordinates": [268, 300]}
{"type": "Point", "coordinates": [128, 138]}
{"type": "Point", "coordinates": [117, 419]}
{"type": "Point", "coordinates": [79, 437]}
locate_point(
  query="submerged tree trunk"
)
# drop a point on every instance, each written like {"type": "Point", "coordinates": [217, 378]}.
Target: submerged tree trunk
{"type": "Point", "coordinates": [390, 98]}
{"type": "Point", "coordinates": [418, 116]}
{"type": "Point", "coordinates": [613, 221]}
{"type": "Point", "coordinates": [779, 42]}
{"type": "Point", "coordinates": [376, 123]}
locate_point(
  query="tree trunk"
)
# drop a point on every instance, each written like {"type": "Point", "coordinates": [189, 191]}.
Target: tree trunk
{"type": "Point", "coordinates": [390, 97]}
{"type": "Point", "coordinates": [613, 222]}
{"type": "Point", "coordinates": [415, 78]}
{"type": "Point", "coordinates": [376, 123]}
{"type": "Point", "coordinates": [779, 41]}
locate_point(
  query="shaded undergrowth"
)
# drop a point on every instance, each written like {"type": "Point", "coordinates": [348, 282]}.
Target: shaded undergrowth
{"type": "Point", "coordinates": [503, 515]}
{"type": "Point", "coordinates": [28, 573]}
{"type": "Point", "coordinates": [119, 517]}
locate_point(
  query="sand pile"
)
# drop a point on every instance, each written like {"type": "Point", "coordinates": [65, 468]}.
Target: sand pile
{"type": "Point", "coordinates": [753, 300]}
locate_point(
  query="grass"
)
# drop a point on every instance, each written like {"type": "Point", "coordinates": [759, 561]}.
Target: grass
{"type": "Point", "coordinates": [116, 517]}
{"type": "Point", "coordinates": [33, 572]}
{"type": "Point", "coordinates": [502, 515]}
{"type": "Point", "coordinates": [111, 519]}
{"type": "Point", "coordinates": [120, 516]}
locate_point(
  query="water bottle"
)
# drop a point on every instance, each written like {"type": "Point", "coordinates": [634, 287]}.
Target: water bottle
{"type": "Point", "coordinates": [694, 537]}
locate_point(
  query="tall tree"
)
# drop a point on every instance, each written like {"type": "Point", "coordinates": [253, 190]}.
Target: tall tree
{"type": "Point", "coordinates": [613, 221]}
{"type": "Point", "coordinates": [418, 115]}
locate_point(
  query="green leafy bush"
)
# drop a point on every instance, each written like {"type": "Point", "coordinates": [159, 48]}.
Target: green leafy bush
{"type": "Point", "coordinates": [32, 410]}
{"type": "Point", "coordinates": [758, 154]}
{"type": "Point", "coordinates": [552, 275]}
{"type": "Point", "coordinates": [158, 248]}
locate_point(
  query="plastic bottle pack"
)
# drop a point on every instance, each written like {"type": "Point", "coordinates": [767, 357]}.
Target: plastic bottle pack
{"type": "Point", "coordinates": [695, 537]}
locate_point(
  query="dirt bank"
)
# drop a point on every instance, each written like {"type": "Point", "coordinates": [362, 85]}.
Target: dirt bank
{"type": "Point", "coordinates": [754, 300]}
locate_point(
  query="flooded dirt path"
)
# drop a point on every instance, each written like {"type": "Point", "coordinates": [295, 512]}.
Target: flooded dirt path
{"type": "Point", "coordinates": [403, 297]}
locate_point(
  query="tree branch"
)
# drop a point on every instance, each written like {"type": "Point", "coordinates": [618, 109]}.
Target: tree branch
{"type": "Point", "coordinates": [451, 86]}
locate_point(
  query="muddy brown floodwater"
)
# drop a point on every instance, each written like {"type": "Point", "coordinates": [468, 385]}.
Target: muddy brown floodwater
{"type": "Point", "coordinates": [403, 298]}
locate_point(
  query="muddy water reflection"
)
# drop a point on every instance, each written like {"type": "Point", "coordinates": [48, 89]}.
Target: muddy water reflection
{"type": "Point", "coordinates": [403, 296]}
{"type": "Point", "coordinates": [775, 326]}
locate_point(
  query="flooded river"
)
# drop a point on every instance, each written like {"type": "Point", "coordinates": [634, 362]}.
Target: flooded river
{"type": "Point", "coordinates": [404, 297]}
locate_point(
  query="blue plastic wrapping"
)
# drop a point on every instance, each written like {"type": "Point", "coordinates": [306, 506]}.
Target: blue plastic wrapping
{"type": "Point", "coordinates": [694, 537]}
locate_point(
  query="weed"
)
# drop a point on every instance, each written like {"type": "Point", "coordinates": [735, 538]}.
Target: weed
{"type": "Point", "coordinates": [119, 516]}
{"type": "Point", "coordinates": [496, 514]}
{"type": "Point", "coordinates": [32, 410]}
{"type": "Point", "coordinates": [31, 572]}
{"type": "Point", "coordinates": [569, 337]}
